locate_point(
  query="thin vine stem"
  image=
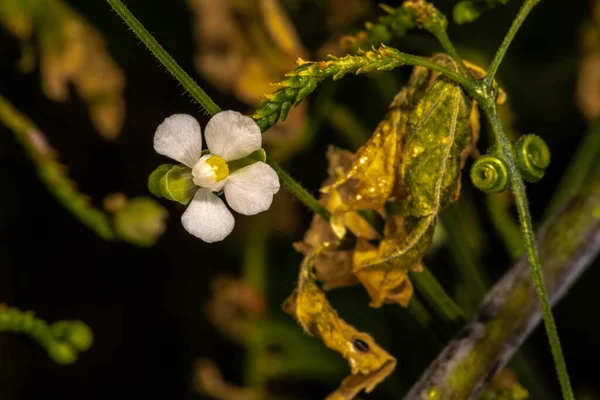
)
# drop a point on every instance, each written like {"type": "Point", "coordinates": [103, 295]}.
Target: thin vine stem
{"type": "Point", "coordinates": [518, 187]}
{"type": "Point", "coordinates": [165, 59]}
{"type": "Point", "coordinates": [501, 52]}
{"type": "Point", "coordinates": [299, 192]}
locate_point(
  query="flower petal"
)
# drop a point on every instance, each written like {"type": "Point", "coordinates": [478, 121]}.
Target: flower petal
{"type": "Point", "coordinates": [180, 138]}
{"type": "Point", "coordinates": [207, 217]}
{"type": "Point", "coordinates": [232, 135]}
{"type": "Point", "coordinates": [250, 190]}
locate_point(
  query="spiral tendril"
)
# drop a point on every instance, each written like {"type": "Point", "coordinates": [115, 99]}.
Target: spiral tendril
{"type": "Point", "coordinates": [490, 174]}
{"type": "Point", "coordinates": [532, 157]}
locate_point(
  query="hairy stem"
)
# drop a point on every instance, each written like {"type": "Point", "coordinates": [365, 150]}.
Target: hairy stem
{"type": "Point", "coordinates": [299, 192]}
{"type": "Point", "coordinates": [518, 188]}
{"type": "Point", "coordinates": [568, 243]}
{"type": "Point", "coordinates": [165, 59]}
{"type": "Point", "coordinates": [501, 52]}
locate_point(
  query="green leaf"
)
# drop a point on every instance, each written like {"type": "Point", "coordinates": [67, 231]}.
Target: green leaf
{"type": "Point", "coordinates": [439, 134]}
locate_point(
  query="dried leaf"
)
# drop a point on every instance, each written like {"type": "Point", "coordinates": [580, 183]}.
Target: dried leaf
{"type": "Point", "coordinates": [208, 380]}
{"type": "Point", "coordinates": [372, 178]}
{"type": "Point", "coordinates": [71, 52]}
{"type": "Point", "coordinates": [440, 134]}
{"type": "Point", "coordinates": [385, 278]}
{"type": "Point", "coordinates": [334, 269]}
{"type": "Point", "coordinates": [243, 47]}
{"type": "Point", "coordinates": [233, 305]}
{"type": "Point", "coordinates": [588, 85]}
{"type": "Point", "coordinates": [369, 363]}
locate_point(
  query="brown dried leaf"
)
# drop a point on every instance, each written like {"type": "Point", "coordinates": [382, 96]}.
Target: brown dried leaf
{"type": "Point", "coordinates": [233, 305]}
{"type": "Point", "coordinates": [386, 278]}
{"type": "Point", "coordinates": [369, 363]}
{"type": "Point", "coordinates": [334, 269]}
{"type": "Point", "coordinates": [71, 51]}
{"type": "Point", "coordinates": [243, 47]}
{"type": "Point", "coordinates": [208, 380]}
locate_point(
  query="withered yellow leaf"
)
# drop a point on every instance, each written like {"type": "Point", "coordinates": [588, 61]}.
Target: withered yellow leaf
{"type": "Point", "coordinates": [385, 275]}
{"type": "Point", "coordinates": [370, 181]}
{"type": "Point", "coordinates": [334, 269]}
{"type": "Point", "coordinates": [369, 363]}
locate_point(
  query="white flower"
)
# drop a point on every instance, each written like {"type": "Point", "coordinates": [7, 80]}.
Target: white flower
{"type": "Point", "coordinates": [229, 136]}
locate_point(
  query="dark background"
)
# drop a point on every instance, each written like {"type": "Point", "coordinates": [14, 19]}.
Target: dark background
{"type": "Point", "coordinates": [146, 306]}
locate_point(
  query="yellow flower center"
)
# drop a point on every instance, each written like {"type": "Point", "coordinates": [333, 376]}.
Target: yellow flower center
{"type": "Point", "coordinates": [219, 167]}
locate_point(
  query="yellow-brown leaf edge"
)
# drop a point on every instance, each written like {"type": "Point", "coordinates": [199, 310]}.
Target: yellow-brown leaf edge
{"type": "Point", "coordinates": [441, 131]}
{"type": "Point", "coordinates": [369, 363]}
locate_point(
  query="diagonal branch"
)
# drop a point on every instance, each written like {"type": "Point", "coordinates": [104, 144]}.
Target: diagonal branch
{"type": "Point", "coordinates": [567, 245]}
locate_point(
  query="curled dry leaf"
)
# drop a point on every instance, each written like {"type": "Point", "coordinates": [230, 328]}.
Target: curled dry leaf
{"type": "Point", "coordinates": [233, 305]}
{"type": "Point", "coordinates": [440, 133]}
{"type": "Point", "coordinates": [334, 269]}
{"type": "Point", "coordinates": [208, 380]}
{"type": "Point", "coordinates": [588, 84]}
{"type": "Point", "coordinates": [369, 363]}
{"type": "Point", "coordinates": [71, 51]}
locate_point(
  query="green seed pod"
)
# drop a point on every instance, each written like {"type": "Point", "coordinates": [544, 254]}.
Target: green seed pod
{"type": "Point", "coordinates": [532, 157]}
{"type": "Point", "coordinates": [490, 174]}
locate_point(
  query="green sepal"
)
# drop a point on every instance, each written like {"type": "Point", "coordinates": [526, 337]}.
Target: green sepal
{"type": "Point", "coordinates": [155, 177]}
{"type": "Point", "coordinates": [178, 185]}
{"type": "Point", "coordinates": [258, 155]}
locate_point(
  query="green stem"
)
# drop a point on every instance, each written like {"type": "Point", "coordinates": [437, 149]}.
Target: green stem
{"type": "Point", "coordinates": [435, 294]}
{"type": "Point", "coordinates": [165, 59]}
{"type": "Point", "coordinates": [442, 36]}
{"type": "Point", "coordinates": [501, 52]}
{"type": "Point", "coordinates": [518, 187]}
{"type": "Point", "coordinates": [460, 253]}
{"type": "Point", "coordinates": [53, 174]}
{"type": "Point", "coordinates": [299, 192]}
{"type": "Point", "coordinates": [505, 226]}
{"type": "Point", "coordinates": [586, 154]}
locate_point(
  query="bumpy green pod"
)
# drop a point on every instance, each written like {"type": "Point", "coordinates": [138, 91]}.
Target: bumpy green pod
{"type": "Point", "coordinates": [490, 174]}
{"type": "Point", "coordinates": [532, 156]}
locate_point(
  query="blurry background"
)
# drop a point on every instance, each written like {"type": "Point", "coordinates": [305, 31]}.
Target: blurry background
{"type": "Point", "coordinates": [147, 307]}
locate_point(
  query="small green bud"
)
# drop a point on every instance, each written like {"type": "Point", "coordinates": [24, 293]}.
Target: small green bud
{"type": "Point", "coordinates": [155, 177]}
{"type": "Point", "coordinates": [466, 11]}
{"type": "Point", "coordinates": [177, 184]}
{"type": "Point", "coordinates": [141, 221]}
{"type": "Point", "coordinates": [75, 333]}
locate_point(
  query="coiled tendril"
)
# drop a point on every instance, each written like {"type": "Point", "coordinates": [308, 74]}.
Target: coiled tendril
{"type": "Point", "coordinates": [532, 157]}
{"type": "Point", "coordinates": [490, 174]}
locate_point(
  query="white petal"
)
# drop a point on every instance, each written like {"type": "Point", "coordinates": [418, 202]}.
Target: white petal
{"type": "Point", "coordinates": [250, 190]}
{"type": "Point", "coordinates": [207, 217]}
{"type": "Point", "coordinates": [180, 138]}
{"type": "Point", "coordinates": [232, 135]}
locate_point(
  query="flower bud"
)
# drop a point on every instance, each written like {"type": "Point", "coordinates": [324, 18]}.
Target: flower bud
{"type": "Point", "coordinates": [141, 221]}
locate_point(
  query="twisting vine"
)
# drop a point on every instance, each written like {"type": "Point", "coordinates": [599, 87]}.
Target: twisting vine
{"type": "Point", "coordinates": [505, 162]}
